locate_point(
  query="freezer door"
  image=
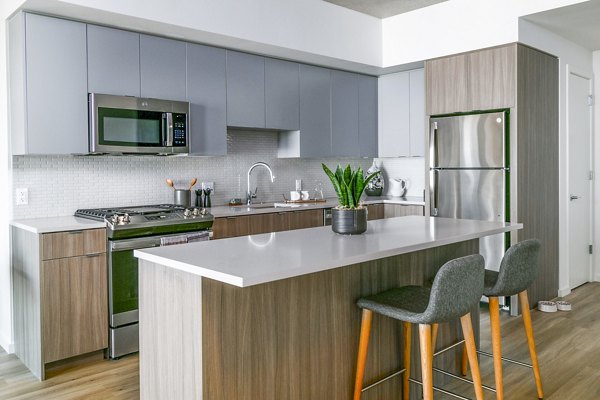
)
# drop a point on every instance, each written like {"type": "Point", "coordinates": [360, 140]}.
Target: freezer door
{"type": "Point", "coordinates": [472, 194]}
{"type": "Point", "coordinates": [468, 141]}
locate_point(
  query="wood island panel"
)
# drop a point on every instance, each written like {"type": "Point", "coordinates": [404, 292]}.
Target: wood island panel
{"type": "Point", "coordinates": [297, 338]}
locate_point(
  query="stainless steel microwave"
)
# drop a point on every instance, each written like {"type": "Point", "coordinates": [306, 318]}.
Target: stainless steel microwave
{"type": "Point", "coordinates": [124, 124]}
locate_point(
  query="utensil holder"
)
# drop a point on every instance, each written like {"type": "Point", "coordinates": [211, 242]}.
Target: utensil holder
{"type": "Point", "coordinates": [182, 197]}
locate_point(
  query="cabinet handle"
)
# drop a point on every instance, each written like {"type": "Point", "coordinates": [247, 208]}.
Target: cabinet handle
{"type": "Point", "coordinates": [75, 232]}
{"type": "Point", "coordinates": [93, 255]}
{"type": "Point", "coordinates": [231, 217]}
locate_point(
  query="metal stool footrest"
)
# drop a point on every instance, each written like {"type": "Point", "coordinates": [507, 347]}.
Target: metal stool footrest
{"type": "Point", "coordinates": [403, 370]}
{"type": "Point", "coordinates": [522, 364]}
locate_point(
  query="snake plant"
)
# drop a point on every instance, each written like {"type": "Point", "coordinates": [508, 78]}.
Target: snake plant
{"type": "Point", "coordinates": [348, 184]}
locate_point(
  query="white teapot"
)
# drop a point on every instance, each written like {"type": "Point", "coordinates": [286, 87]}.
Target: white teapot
{"type": "Point", "coordinates": [398, 187]}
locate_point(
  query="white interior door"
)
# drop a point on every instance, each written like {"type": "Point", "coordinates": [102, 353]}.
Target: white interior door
{"type": "Point", "coordinates": [580, 130]}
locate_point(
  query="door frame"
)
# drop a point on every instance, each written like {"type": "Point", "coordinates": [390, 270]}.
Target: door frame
{"type": "Point", "coordinates": [571, 70]}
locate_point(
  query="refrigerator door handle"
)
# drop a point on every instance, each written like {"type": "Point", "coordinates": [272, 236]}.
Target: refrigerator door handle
{"type": "Point", "coordinates": [434, 184]}
{"type": "Point", "coordinates": [433, 145]}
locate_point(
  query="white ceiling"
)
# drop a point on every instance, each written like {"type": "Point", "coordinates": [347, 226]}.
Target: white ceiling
{"type": "Point", "coordinates": [384, 8]}
{"type": "Point", "coordinates": [580, 23]}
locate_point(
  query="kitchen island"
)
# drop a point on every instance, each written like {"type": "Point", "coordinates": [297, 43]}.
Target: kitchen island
{"type": "Point", "coordinates": [273, 316]}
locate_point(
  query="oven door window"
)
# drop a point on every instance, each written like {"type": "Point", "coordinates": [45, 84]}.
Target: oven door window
{"type": "Point", "coordinates": [123, 275]}
{"type": "Point", "coordinates": [132, 128]}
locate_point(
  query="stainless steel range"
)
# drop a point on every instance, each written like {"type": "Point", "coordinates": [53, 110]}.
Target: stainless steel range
{"type": "Point", "coordinates": [131, 228]}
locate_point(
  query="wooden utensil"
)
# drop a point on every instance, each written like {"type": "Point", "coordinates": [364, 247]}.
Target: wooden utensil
{"type": "Point", "coordinates": [192, 183]}
{"type": "Point", "coordinates": [170, 183]}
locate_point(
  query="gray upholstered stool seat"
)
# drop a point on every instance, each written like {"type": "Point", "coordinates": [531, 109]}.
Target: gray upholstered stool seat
{"type": "Point", "coordinates": [456, 289]}
{"type": "Point", "coordinates": [407, 303]}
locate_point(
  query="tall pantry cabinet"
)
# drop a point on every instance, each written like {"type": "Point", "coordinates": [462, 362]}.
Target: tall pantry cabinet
{"type": "Point", "coordinates": [524, 81]}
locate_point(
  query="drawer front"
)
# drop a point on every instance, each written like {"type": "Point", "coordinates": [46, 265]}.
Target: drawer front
{"type": "Point", "coordinates": [73, 243]}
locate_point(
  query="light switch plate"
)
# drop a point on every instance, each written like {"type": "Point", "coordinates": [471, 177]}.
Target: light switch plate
{"type": "Point", "coordinates": [22, 196]}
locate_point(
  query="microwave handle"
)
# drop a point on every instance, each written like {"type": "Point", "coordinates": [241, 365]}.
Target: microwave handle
{"type": "Point", "coordinates": [168, 129]}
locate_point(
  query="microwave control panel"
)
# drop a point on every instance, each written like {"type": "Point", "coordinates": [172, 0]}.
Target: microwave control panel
{"type": "Point", "coordinates": [179, 129]}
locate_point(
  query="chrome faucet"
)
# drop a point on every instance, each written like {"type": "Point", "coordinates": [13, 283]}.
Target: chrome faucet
{"type": "Point", "coordinates": [249, 194]}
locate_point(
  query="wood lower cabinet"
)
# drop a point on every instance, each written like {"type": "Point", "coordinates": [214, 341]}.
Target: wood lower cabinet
{"type": "Point", "coordinates": [59, 295]}
{"type": "Point", "coordinates": [375, 211]}
{"type": "Point", "coordinates": [401, 210]}
{"type": "Point", "coordinates": [305, 219]}
{"type": "Point", "coordinates": [264, 223]}
{"type": "Point", "coordinates": [74, 293]}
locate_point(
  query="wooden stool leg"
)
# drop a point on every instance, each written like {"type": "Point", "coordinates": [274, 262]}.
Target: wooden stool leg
{"type": "Point", "coordinates": [363, 346]}
{"type": "Point", "coordinates": [464, 362]}
{"type": "Point", "coordinates": [434, 332]}
{"type": "Point", "coordinates": [524, 303]}
{"type": "Point", "coordinates": [465, 322]}
{"type": "Point", "coordinates": [405, 383]}
{"type": "Point", "coordinates": [496, 347]}
{"type": "Point", "coordinates": [426, 361]}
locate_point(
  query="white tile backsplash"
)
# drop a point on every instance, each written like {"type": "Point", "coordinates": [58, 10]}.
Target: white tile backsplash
{"type": "Point", "coordinates": [58, 185]}
{"type": "Point", "coordinates": [411, 169]}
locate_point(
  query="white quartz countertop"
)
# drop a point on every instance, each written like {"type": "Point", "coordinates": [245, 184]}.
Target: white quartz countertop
{"type": "Point", "coordinates": [251, 260]}
{"type": "Point", "coordinates": [228, 211]}
{"type": "Point", "coordinates": [56, 224]}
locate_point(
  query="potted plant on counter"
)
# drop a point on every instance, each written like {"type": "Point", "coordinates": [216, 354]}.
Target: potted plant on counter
{"type": "Point", "coordinates": [350, 216]}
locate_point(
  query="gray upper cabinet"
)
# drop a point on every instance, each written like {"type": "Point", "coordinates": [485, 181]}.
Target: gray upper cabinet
{"type": "Point", "coordinates": [282, 95]}
{"type": "Point", "coordinates": [367, 116]}
{"type": "Point", "coordinates": [207, 94]}
{"type": "Point", "coordinates": [315, 111]}
{"type": "Point", "coordinates": [245, 90]}
{"type": "Point", "coordinates": [394, 115]}
{"type": "Point", "coordinates": [344, 114]}
{"type": "Point", "coordinates": [53, 102]}
{"type": "Point", "coordinates": [113, 61]}
{"type": "Point", "coordinates": [417, 112]}
{"type": "Point", "coordinates": [162, 68]}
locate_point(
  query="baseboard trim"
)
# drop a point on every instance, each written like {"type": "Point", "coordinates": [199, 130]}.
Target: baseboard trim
{"type": "Point", "coordinates": [563, 292]}
{"type": "Point", "coordinates": [7, 345]}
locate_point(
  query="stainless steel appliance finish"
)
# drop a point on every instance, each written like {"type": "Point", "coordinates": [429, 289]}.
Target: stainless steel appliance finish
{"type": "Point", "coordinates": [132, 228]}
{"type": "Point", "coordinates": [469, 173]}
{"type": "Point", "coordinates": [124, 124]}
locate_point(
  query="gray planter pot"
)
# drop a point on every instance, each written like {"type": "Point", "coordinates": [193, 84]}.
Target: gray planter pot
{"type": "Point", "coordinates": [349, 222]}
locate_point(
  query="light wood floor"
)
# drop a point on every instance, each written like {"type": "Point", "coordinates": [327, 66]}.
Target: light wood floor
{"type": "Point", "coordinates": [568, 346]}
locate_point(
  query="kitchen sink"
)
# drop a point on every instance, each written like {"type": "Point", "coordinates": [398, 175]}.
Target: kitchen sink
{"type": "Point", "coordinates": [255, 206]}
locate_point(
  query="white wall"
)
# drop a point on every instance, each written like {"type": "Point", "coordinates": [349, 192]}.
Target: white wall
{"type": "Point", "coordinates": [456, 26]}
{"type": "Point", "coordinates": [571, 57]}
{"type": "Point", "coordinates": [6, 8]}
{"type": "Point", "coordinates": [596, 206]}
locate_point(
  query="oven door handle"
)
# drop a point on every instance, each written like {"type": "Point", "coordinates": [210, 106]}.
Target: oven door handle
{"type": "Point", "coordinates": [168, 129]}
{"type": "Point", "coordinates": [133, 244]}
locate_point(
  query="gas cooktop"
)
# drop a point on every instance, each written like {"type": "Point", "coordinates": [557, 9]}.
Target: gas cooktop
{"type": "Point", "coordinates": [153, 218]}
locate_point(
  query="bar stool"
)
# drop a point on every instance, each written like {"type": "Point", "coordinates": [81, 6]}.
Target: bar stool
{"type": "Point", "coordinates": [518, 270]}
{"type": "Point", "coordinates": [457, 288]}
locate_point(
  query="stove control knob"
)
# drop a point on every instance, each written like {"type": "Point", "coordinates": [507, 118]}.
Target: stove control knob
{"type": "Point", "coordinates": [126, 218]}
{"type": "Point", "coordinates": [114, 219]}
{"type": "Point", "coordinates": [203, 211]}
{"type": "Point", "coordinates": [187, 212]}
{"type": "Point", "coordinates": [196, 212]}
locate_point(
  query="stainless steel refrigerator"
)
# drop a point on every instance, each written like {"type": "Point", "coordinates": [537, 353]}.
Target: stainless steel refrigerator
{"type": "Point", "coordinates": [469, 173]}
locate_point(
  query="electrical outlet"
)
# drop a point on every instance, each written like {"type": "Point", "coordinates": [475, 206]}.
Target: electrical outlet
{"type": "Point", "coordinates": [22, 196]}
{"type": "Point", "coordinates": [207, 185]}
